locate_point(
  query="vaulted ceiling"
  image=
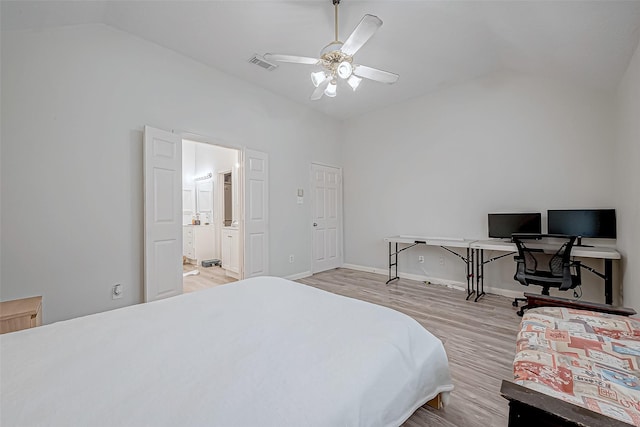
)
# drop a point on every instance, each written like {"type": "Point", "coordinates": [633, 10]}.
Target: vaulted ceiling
{"type": "Point", "coordinates": [429, 43]}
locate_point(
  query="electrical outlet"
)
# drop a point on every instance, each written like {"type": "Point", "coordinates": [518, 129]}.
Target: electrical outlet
{"type": "Point", "coordinates": [116, 291]}
{"type": "Point", "coordinates": [290, 259]}
{"type": "Point", "coordinates": [421, 259]}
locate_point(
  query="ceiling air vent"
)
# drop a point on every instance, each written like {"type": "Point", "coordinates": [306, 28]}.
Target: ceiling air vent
{"type": "Point", "coordinates": [261, 62]}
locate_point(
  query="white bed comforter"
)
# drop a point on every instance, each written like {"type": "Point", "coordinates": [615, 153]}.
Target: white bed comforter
{"type": "Point", "coordinates": [260, 352]}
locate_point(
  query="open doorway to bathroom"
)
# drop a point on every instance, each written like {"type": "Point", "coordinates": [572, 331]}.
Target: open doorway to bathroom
{"type": "Point", "coordinates": [210, 215]}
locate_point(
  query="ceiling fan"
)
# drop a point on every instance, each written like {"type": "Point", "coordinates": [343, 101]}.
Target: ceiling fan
{"type": "Point", "coordinates": [336, 60]}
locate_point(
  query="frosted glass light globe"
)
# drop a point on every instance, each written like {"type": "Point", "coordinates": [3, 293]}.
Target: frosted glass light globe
{"type": "Point", "coordinates": [331, 89]}
{"type": "Point", "coordinates": [318, 77]}
{"type": "Point", "coordinates": [344, 70]}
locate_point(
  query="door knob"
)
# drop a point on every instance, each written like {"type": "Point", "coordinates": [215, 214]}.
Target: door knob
{"type": "Point", "coordinates": [315, 224]}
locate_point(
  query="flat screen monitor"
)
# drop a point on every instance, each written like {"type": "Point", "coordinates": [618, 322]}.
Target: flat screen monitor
{"type": "Point", "coordinates": [503, 225]}
{"type": "Point", "coordinates": [596, 223]}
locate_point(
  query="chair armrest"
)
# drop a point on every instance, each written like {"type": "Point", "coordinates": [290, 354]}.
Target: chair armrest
{"type": "Point", "coordinates": [526, 405]}
{"type": "Point", "coordinates": [534, 300]}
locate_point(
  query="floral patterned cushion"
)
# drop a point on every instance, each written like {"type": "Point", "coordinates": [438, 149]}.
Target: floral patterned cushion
{"type": "Point", "coordinates": [585, 358]}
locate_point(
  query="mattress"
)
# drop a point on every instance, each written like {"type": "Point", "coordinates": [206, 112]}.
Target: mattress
{"type": "Point", "coordinates": [262, 351]}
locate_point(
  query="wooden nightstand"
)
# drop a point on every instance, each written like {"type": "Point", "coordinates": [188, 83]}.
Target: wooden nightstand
{"type": "Point", "coordinates": [20, 314]}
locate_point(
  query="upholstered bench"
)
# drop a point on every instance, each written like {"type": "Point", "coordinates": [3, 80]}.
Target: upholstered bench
{"type": "Point", "coordinates": [575, 366]}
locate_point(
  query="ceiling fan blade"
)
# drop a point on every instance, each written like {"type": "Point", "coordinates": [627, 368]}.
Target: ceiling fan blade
{"type": "Point", "coordinates": [375, 74]}
{"type": "Point", "coordinates": [291, 58]}
{"type": "Point", "coordinates": [363, 32]}
{"type": "Point", "coordinates": [317, 94]}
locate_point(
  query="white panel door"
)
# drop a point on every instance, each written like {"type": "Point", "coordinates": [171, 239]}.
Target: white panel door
{"type": "Point", "coordinates": [188, 203]}
{"type": "Point", "coordinates": [326, 205]}
{"type": "Point", "coordinates": [162, 214]}
{"type": "Point", "coordinates": [256, 206]}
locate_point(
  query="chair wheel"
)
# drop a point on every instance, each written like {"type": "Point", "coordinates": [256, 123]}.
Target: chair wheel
{"type": "Point", "coordinates": [520, 313]}
{"type": "Point", "coordinates": [514, 303]}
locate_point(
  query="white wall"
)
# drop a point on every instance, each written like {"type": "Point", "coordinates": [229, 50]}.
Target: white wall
{"type": "Point", "coordinates": [74, 103]}
{"type": "Point", "coordinates": [188, 182]}
{"type": "Point", "coordinates": [188, 162]}
{"type": "Point", "coordinates": [437, 164]}
{"type": "Point", "coordinates": [627, 179]}
{"type": "Point", "coordinates": [211, 158]}
{"type": "Point", "coordinates": [1, 187]}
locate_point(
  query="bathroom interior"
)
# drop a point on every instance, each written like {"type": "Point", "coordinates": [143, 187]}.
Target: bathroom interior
{"type": "Point", "coordinates": [210, 212]}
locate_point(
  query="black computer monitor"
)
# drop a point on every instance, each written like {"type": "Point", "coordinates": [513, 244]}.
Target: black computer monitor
{"type": "Point", "coordinates": [596, 223]}
{"type": "Point", "coordinates": [503, 225]}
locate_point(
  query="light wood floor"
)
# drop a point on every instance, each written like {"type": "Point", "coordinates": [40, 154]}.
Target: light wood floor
{"type": "Point", "coordinates": [208, 278]}
{"type": "Point", "coordinates": [479, 339]}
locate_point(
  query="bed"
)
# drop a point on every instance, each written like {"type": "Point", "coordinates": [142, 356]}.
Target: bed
{"type": "Point", "coordinates": [262, 351]}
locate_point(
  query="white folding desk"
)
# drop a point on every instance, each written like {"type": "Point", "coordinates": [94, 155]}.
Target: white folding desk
{"type": "Point", "coordinates": [444, 243]}
{"type": "Point", "coordinates": [604, 253]}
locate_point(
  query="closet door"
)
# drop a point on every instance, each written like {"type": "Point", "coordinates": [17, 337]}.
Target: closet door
{"type": "Point", "coordinates": [326, 204]}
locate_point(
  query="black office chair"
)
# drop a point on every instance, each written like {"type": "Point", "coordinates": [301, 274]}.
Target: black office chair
{"type": "Point", "coordinates": [552, 251]}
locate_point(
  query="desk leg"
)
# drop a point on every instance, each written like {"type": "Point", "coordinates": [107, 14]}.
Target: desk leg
{"type": "Point", "coordinates": [608, 281]}
{"type": "Point", "coordinates": [480, 275]}
{"type": "Point", "coordinates": [470, 284]}
{"type": "Point", "coordinates": [476, 272]}
{"type": "Point", "coordinates": [392, 263]}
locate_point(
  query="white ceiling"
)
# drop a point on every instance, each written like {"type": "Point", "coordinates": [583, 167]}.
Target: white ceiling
{"type": "Point", "coordinates": [429, 43]}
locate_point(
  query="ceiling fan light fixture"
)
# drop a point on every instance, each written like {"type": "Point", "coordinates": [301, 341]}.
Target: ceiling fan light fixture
{"type": "Point", "coordinates": [354, 82]}
{"type": "Point", "coordinates": [344, 70]}
{"type": "Point", "coordinates": [336, 59]}
{"type": "Point", "coordinates": [318, 77]}
{"type": "Point", "coordinates": [331, 89]}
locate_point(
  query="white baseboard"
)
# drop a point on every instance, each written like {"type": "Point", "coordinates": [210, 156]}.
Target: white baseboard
{"type": "Point", "coordinates": [509, 293]}
{"type": "Point", "coordinates": [235, 275]}
{"type": "Point", "coordinates": [418, 277]}
{"type": "Point", "coordinates": [298, 276]}
{"type": "Point", "coordinates": [461, 286]}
